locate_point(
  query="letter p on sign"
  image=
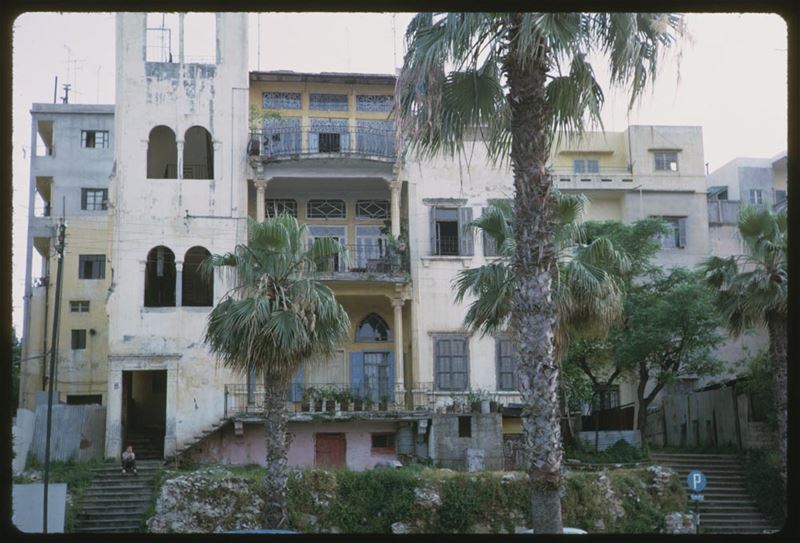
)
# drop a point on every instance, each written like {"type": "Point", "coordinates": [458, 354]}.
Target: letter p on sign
{"type": "Point", "coordinates": [696, 481]}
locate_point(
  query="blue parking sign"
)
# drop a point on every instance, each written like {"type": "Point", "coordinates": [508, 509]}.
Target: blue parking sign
{"type": "Point", "coordinates": [696, 480]}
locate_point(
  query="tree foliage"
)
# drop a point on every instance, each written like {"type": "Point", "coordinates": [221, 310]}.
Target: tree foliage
{"type": "Point", "coordinates": [16, 361]}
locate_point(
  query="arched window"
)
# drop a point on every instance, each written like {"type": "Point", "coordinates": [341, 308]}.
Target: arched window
{"type": "Point", "coordinates": [159, 278]}
{"type": "Point", "coordinates": [198, 154]}
{"type": "Point", "coordinates": [373, 328]}
{"type": "Point", "coordinates": [162, 154]}
{"type": "Point", "coordinates": [198, 290]}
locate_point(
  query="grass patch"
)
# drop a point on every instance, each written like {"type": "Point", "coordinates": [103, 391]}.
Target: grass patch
{"type": "Point", "coordinates": [763, 481]}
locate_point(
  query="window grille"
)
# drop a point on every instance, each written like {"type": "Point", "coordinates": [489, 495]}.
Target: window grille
{"type": "Point", "coordinates": [78, 339]}
{"type": "Point", "coordinates": [91, 266]}
{"type": "Point", "coordinates": [325, 209]}
{"type": "Point", "coordinates": [586, 166]}
{"type": "Point", "coordinates": [452, 362]}
{"type": "Point", "coordinates": [372, 209]}
{"type": "Point", "coordinates": [373, 328]}
{"type": "Point", "coordinates": [666, 161]}
{"type": "Point", "coordinates": [328, 102]}
{"type": "Point", "coordinates": [91, 139]}
{"type": "Point", "coordinates": [282, 100]}
{"type": "Point", "coordinates": [374, 102]}
{"type": "Point", "coordinates": [279, 206]}
{"type": "Point", "coordinates": [79, 306]}
{"type": "Point", "coordinates": [94, 199]}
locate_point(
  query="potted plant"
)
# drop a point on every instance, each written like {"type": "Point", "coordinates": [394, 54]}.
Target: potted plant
{"type": "Point", "coordinates": [368, 403]}
{"type": "Point", "coordinates": [255, 117]}
{"type": "Point", "coordinates": [384, 405]}
{"type": "Point", "coordinates": [330, 400]}
{"type": "Point", "coordinates": [316, 397]}
{"type": "Point", "coordinates": [474, 401]}
{"type": "Point", "coordinates": [305, 403]}
{"type": "Point", "coordinates": [494, 405]}
{"type": "Point", "coordinates": [344, 400]}
{"type": "Point", "coordinates": [485, 399]}
{"type": "Point", "coordinates": [358, 402]}
{"type": "Point", "coordinates": [451, 407]}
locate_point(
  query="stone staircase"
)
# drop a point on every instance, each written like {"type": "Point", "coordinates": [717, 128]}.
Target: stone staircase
{"type": "Point", "coordinates": [197, 438]}
{"type": "Point", "coordinates": [728, 507]}
{"type": "Point", "coordinates": [115, 502]}
{"type": "Point", "coordinates": [146, 445]}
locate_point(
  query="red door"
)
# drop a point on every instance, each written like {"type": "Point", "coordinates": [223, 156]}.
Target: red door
{"type": "Point", "coordinates": [330, 450]}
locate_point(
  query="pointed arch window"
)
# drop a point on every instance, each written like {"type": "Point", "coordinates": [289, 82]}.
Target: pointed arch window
{"type": "Point", "coordinates": [373, 329]}
{"type": "Point", "coordinates": [159, 278]}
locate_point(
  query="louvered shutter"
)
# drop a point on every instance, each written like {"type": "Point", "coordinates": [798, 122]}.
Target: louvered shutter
{"type": "Point", "coordinates": [682, 233]}
{"type": "Point", "coordinates": [466, 245]}
{"type": "Point", "coordinates": [357, 373]}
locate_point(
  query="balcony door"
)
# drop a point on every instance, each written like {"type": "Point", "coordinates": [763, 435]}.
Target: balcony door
{"type": "Point", "coordinates": [370, 247]}
{"type": "Point", "coordinates": [337, 233]}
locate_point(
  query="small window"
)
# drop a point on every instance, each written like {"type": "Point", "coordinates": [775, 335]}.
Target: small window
{"type": "Point", "coordinates": [586, 166]}
{"type": "Point", "coordinates": [506, 365]}
{"type": "Point", "coordinates": [326, 209]}
{"type": "Point", "coordinates": [84, 399]}
{"type": "Point", "coordinates": [374, 102]}
{"type": "Point", "coordinates": [666, 161]}
{"type": "Point", "coordinates": [606, 398]}
{"type": "Point", "coordinates": [79, 306]}
{"type": "Point", "coordinates": [91, 139]}
{"type": "Point", "coordinates": [372, 209]}
{"type": "Point", "coordinates": [451, 361]}
{"type": "Point", "coordinates": [756, 197]}
{"type": "Point", "coordinates": [94, 199]}
{"type": "Point", "coordinates": [92, 267]}
{"type": "Point", "coordinates": [373, 328]}
{"type": "Point", "coordinates": [78, 339]}
{"type": "Point", "coordinates": [383, 443]}
{"type": "Point", "coordinates": [464, 426]}
{"type": "Point", "coordinates": [330, 142]}
{"type": "Point", "coordinates": [450, 235]}
{"type": "Point", "coordinates": [277, 207]}
{"type": "Point", "coordinates": [675, 237]}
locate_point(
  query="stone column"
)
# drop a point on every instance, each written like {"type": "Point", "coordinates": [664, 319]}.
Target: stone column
{"type": "Point", "coordinates": [179, 164]}
{"type": "Point", "coordinates": [178, 283]}
{"type": "Point", "coordinates": [399, 373]}
{"type": "Point", "coordinates": [114, 413]}
{"type": "Point", "coordinates": [261, 188]}
{"type": "Point", "coordinates": [170, 438]}
{"type": "Point", "coordinates": [395, 187]}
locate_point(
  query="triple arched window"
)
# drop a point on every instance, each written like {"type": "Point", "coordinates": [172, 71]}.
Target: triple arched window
{"type": "Point", "coordinates": [197, 286]}
{"type": "Point", "coordinates": [162, 154]}
{"type": "Point", "coordinates": [373, 329]}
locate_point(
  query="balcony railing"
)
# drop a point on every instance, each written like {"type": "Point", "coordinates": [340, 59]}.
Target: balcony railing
{"type": "Point", "coordinates": [373, 258]}
{"type": "Point", "coordinates": [724, 211]}
{"type": "Point", "coordinates": [287, 142]}
{"type": "Point", "coordinates": [326, 398]}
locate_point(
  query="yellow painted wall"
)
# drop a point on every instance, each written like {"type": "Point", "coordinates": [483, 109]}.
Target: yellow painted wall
{"type": "Point", "coordinates": [512, 425]}
{"type": "Point", "coordinates": [610, 149]}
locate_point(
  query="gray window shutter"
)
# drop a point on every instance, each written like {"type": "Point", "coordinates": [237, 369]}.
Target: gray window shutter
{"type": "Point", "coordinates": [313, 142]}
{"type": "Point", "coordinates": [344, 140]}
{"type": "Point", "coordinates": [434, 249]}
{"type": "Point", "coordinates": [682, 233]}
{"type": "Point", "coordinates": [465, 235]}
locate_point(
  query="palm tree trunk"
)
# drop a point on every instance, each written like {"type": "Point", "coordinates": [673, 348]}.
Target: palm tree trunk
{"type": "Point", "coordinates": [276, 513]}
{"type": "Point", "coordinates": [777, 356]}
{"type": "Point", "coordinates": [533, 317]}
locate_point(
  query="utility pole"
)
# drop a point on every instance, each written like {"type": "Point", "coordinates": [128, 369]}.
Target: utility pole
{"type": "Point", "coordinates": [62, 228]}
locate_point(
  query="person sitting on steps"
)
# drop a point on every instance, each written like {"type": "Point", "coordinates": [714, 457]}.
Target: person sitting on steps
{"type": "Point", "coordinates": [128, 460]}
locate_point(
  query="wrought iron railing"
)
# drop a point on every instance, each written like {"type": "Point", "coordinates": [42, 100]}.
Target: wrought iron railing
{"type": "Point", "coordinates": [447, 246]}
{"type": "Point", "coordinates": [370, 258]}
{"type": "Point", "coordinates": [283, 142]}
{"type": "Point", "coordinates": [334, 397]}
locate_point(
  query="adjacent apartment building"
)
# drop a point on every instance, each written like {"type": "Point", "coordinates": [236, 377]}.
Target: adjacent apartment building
{"type": "Point", "coordinates": [182, 162]}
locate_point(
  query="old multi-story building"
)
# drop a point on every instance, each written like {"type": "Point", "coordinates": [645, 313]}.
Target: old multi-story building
{"type": "Point", "coordinates": [194, 146]}
{"type": "Point", "coordinates": [71, 160]}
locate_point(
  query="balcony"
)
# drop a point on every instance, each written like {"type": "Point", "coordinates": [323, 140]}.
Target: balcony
{"type": "Point", "coordinates": [295, 142]}
{"type": "Point", "coordinates": [335, 399]}
{"type": "Point", "coordinates": [605, 178]}
{"type": "Point", "coordinates": [363, 261]}
{"type": "Point", "coordinates": [724, 211]}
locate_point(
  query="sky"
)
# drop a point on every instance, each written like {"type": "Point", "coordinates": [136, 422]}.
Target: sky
{"type": "Point", "coordinates": [730, 78]}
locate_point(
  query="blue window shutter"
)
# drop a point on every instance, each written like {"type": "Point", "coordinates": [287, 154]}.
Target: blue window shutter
{"type": "Point", "coordinates": [297, 384]}
{"type": "Point", "coordinates": [313, 142]}
{"type": "Point", "coordinates": [465, 231]}
{"type": "Point", "coordinates": [344, 140]}
{"type": "Point", "coordinates": [357, 373]}
{"type": "Point", "coordinates": [391, 376]}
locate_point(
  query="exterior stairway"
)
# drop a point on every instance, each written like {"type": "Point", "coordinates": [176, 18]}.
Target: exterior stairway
{"type": "Point", "coordinates": [146, 445]}
{"type": "Point", "coordinates": [728, 507]}
{"type": "Point", "coordinates": [115, 502]}
{"type": "Point", "coordinates": [197, 438]}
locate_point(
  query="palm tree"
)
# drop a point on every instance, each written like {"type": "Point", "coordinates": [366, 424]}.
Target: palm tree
{"type": "Point", "coordinates": [521, 78]}
{"type": "Point", "coordinates": [588, 283]}
{"type": "Point", "coordinates": [276, 317]}
{"type": "Point", "coordinates": [752, 290]}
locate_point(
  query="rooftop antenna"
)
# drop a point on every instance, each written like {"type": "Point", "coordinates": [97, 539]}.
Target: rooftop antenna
{"type": "Point", "coordinates": [55, 91]}
{"type": "Point", "coordinates": [98, 84]}
{"type": "Point", "coordinates": [65, 98]}
{"type": "Point", "coordinates": [73, 66]}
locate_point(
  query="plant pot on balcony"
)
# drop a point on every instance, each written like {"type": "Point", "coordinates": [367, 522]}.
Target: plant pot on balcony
{"type": "Point", "coordinates": [493, 407]}
{"type": "Point", "coordinates": [253, 147]}
{"type": "Point", "coordinates": [317, 405]}
{"type": "Point", "coordinates": [305, 406]}
{"type": "Point", "coordinates": [475, 407]}
{"type": "Point", "coordinates": [383, 405]}
{"type": "Point", "coordinates": [345, 405]}
{"type": "Point", "coordinates": [358, 405]}
{"type": "Point", "coordinates": [451, 408]}
{"type": "Point", "coordinates": [330, 406]}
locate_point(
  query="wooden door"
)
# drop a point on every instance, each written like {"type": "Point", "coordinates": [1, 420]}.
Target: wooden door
{"type": "Point", "coordinates": [330, 450]}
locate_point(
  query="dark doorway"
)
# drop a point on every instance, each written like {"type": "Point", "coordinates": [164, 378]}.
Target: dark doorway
{"type": "Point", "coordinates": [144, 410]}
{"type": "Point", "coordinates": [330, 450]}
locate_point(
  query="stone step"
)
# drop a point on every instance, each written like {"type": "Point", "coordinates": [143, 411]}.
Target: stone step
{"type": "Point", "coordinates": [739, 517]}
{"type": "Point", "coordinates": [110, 526]}
{"type": "Point", "coordinates": [108, 493]}
{"type": "Point", "coordinates": [134, 515]}
{"type": "Point", "coordinates": [104, 505]}
{"type": "Point", "coordinates": [721, 508]}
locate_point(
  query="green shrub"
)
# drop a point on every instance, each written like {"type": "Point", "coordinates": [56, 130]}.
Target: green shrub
{"type": "Point", "coordinates": [763, 481]}
{"type": "Point", "coordinates": [371, 501]}
{"type": "Point", "coordinates": [583, 505]}
{"type": "Point", "coordinates": [642, 515]}
{"type": "Point", "coordinates": [620, 452]}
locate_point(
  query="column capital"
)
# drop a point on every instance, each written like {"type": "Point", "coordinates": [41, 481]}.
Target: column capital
{"type": "Point", "coordinates": [396, 185]}
{"type": "Point", "coordinates": [261, 183]}
{"type": "Point", "coordinates": [397, 303]}
{"type": "Point", "coordinates": [178, 265]}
